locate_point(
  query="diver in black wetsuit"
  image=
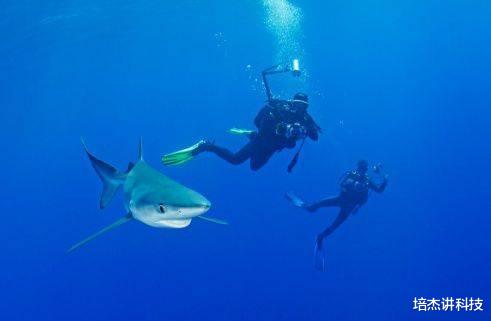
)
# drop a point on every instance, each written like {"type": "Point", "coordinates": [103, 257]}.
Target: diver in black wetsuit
{"type": "Point", "coordinates": [355, 186]}
{"type": "Point", "coordinates": [280, 125]}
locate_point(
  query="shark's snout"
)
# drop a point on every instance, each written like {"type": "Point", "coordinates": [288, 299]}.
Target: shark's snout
{"type": "Point", "coordinates": [202, 205]}
{"type": "Point", "coordinates": [196, 210]}
{"type": "Point", "coordinates": [168, 208]}
{"type": "Point", "coordinates": [206, 206]}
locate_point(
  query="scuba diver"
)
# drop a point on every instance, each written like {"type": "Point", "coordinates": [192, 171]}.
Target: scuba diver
{"type": "Point", "coordinates": [355, 186]}
{"type": "Point", "coordinates": [280, 124]}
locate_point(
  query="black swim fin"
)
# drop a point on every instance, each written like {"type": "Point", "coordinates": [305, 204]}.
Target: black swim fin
{"type": "Point", "coordinates": [297, 201]}
{"type": "Point", "coordinates": [319, 257]}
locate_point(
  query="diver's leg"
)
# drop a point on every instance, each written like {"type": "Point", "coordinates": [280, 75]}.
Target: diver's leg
{"type": "Point", "coordinates": [342, 216]}
{"type": "Point", "coordinates": [259, 157]}
{"type": "Point", "coordinates": [184, 155]}
{"type": "Point", "coordinates": [328, 202]}
{"type": "Point", "coordinates": [234, 158]}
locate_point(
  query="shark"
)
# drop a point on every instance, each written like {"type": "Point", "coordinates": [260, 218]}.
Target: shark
{"type": "Point", "coordinates": [149, 196]}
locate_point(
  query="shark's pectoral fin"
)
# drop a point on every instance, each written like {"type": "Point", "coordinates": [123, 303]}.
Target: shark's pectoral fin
{"type": "Point", "coordinates": [214, 220]}
{"type": "Point", "coordinates": [119, 222]}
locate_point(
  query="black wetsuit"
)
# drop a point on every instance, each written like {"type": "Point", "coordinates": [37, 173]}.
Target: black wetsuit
{"type": "Point", "coordinates": [354, 193]}
{"type": "Point", "coordinates": [266, 141]}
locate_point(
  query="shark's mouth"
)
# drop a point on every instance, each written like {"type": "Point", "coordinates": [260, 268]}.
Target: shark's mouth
{"type": "Point", "coordinates": [149, 216]}
{"type": "Point", "coordinates": [182, 223]}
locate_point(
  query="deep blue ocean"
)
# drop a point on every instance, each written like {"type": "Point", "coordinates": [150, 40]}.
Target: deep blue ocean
{"type": "Point", "coordinates": [403, 83]}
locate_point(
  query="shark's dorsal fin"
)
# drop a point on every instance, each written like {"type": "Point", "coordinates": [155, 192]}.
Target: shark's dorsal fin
{"type": "Point", "coordinates": [140, 150]}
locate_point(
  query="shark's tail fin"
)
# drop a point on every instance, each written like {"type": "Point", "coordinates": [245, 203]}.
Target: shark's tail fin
{"type": "Point", "coordinates": [111, 178]}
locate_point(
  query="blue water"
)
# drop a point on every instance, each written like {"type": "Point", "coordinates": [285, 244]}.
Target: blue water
{"type": "Point", "coordinates": [402, 83]}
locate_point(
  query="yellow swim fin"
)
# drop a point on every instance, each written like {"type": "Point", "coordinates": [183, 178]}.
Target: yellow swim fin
{"type": "Point", "coordinates": [240, 131]}
{"type": "Point", "coordinates": [181, 156]}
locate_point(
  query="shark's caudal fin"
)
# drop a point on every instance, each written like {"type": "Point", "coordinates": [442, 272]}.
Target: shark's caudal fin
{"type": "Point", "coordinates": [111, 178]}
{"type": "Point", "coordinates": [119, 222]}
{"type": "Point", "coordinates": [213, 220]}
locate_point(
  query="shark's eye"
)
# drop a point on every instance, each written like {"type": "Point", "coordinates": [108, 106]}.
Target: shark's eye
{"type": "Point", "coordinates": [162, 208]}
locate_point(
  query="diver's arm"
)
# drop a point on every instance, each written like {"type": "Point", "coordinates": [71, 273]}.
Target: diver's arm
{"type": "Point", "coordinates": [260, 116]}
{"type": "Point", "coordinates": [312, 133]}
{"type": "Point", "coordinates": [379, 188]}
{"type": "Point", "coordinates": [312, 128]}
{"type": "Point", "coordinates": [266, 86]}
{"type": "Point", "coordinates": [276, 69]}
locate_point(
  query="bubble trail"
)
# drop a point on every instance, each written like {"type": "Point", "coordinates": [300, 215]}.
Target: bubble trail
{"type": "Point", "coordinates": [283, 19]}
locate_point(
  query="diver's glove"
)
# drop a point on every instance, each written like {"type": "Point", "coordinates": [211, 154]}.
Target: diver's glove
{"type": "Point", "coordinates": [378, 170]}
